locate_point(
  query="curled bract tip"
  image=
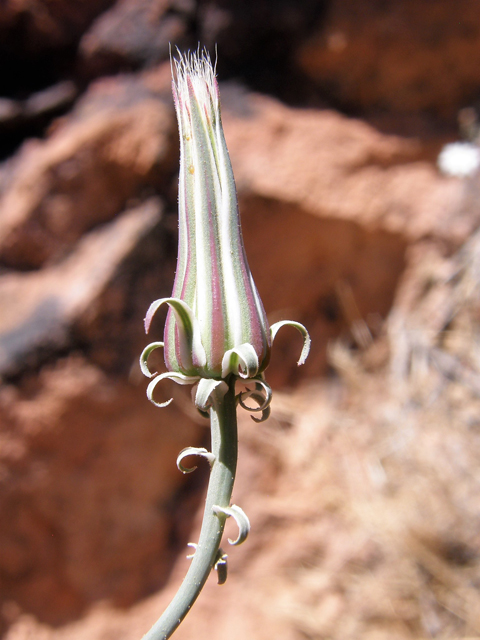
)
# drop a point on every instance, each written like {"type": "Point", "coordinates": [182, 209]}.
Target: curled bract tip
{"type": "Point", "coordinates": [261, 394]}
{"type": "Point", "coordinates": [220, 566]}
{"type": "Point", "coordinates": [179, 378]}
{"type": "Point", "coordinates": [144, 358]}
{"type": "Point", "coordinates": [240, 518]}
{"type": "Point", "coordinates": [208, 392]}
{"type": "Point", "coordinates": [241, 361]}
{"type": "Point", "coordinates": [194, 451]}
{"type": "Point", "coordinates": [297, 325]}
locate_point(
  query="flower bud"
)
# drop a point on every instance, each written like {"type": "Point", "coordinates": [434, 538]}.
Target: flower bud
{"type": "Point", "coordinates": [216, 323]}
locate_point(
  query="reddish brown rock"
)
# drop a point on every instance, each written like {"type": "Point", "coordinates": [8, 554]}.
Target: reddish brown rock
{"type": "Point", "coordinates": [329, 206]}
{"type": "Point", "coordinates": [61, 428]}
{"type": "Point", "coordinates": [42, 308]}
{"type": "Point", "coordinates": [400, 56]}
{"type": "Point", "coordinates": [41, 24]}
{"type": "Point", "coordinates": [130, 34]}
{"type": "Point", "coordinates": [337, 167]}
{"type": "Point", "coordinates": [87, 486]}
{"type": "Point", "coordinates": [117, 143]}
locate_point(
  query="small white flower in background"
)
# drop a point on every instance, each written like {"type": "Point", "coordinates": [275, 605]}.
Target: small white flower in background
{"type": "Point", "coordinates": [460, 159]}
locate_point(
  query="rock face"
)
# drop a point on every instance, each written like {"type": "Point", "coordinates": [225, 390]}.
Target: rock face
{"type": "Point", "coordinates": [41, 308]}
{"type": "Point", "coordinates": [118, 137]}
{"type": "Point", "coordinates": [131, 34]}
{"type": "Point", "coordinates": [338, 225]}
{"type": "Point", "coordinates": [409, 56]}
{"type": "Point", "coordinates": [38, 41]}
{"type": "Point", "coordinates": [376, 180]}
{"type": "Point", "coordinates": [349, 228]}
{"type": "Point", "coordinates": [42, 23]}
{"type": "Point", "coordinates": [78, 494]}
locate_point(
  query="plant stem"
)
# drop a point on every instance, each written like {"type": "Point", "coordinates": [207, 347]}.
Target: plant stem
{"type": "Point", "coordinates": [223, 424]}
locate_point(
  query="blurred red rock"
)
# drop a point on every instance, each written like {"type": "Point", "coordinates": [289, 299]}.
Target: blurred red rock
{"type": "Point", "coordinates": [38, 24]}
{"type": "Point", "coordinates": [118, 142]}
{"type": "Point", "coordinates": [401, 56]}
{"type": "Point", "coordinates": [87, 478]}
{"type": "Point", "coordinates": [130, 34]}
{"type": "Point", "coordinates": [339, 202]}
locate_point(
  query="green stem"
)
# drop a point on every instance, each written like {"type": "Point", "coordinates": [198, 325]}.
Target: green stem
{"type": "Point", "coordinates": [223, 421]}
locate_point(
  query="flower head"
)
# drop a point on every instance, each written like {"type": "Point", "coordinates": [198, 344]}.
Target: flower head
{"type": "Point", "coordinates": [216, 324]}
